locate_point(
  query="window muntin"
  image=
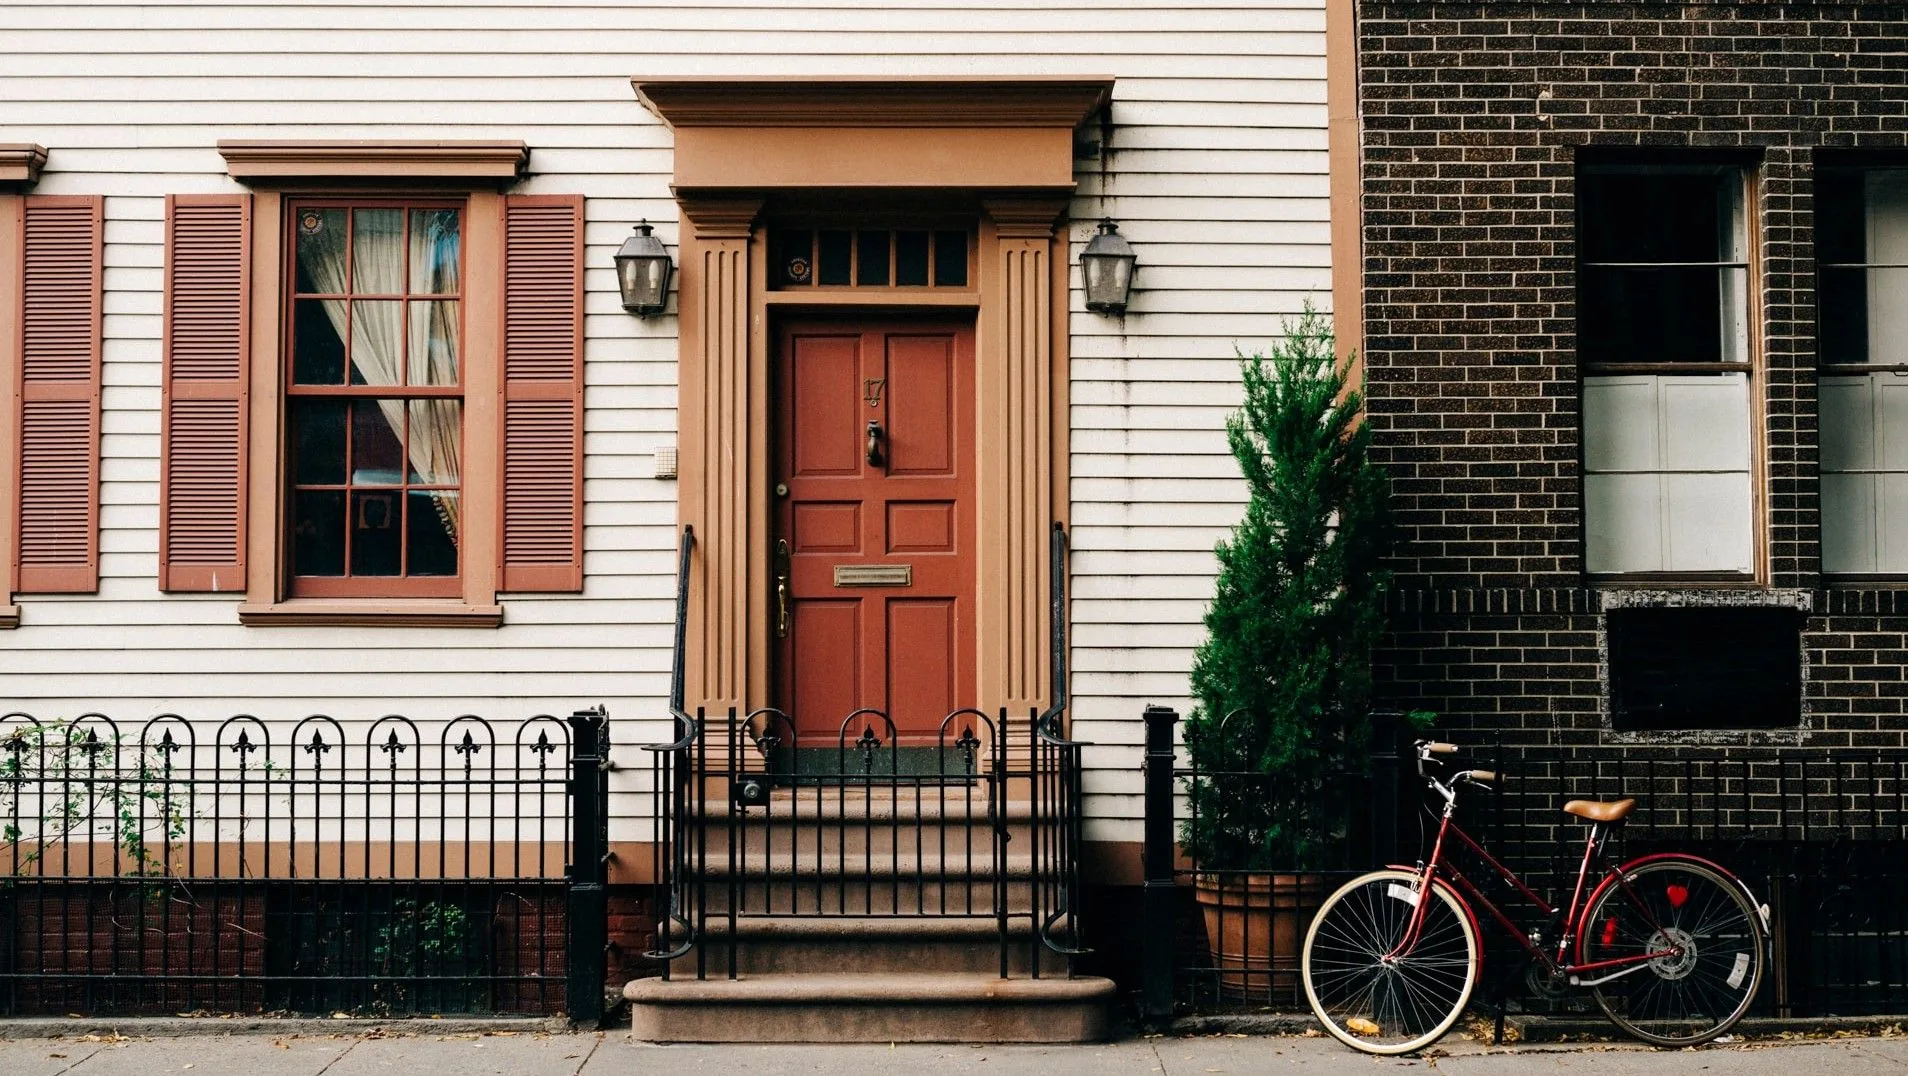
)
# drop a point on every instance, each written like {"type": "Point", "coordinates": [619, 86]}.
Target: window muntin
{"type": "Point", "coordinates": [1861, 250]}
{"type": "Point", "coordinates": [375, 399]}
{"type": "Point", "coordinates": [1663, 341]}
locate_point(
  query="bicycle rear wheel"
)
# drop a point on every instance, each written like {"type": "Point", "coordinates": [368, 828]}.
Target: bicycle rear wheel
{"type": "Point", "coordinates": [1381, 1005]}
{"type": "Point", "coordinates": [1675, 903]}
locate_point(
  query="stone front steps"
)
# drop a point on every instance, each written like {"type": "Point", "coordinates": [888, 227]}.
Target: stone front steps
{"type": "Point", "coordinates": [926, 1006]}
{"type": "Point", "coordinates": [869, 920]}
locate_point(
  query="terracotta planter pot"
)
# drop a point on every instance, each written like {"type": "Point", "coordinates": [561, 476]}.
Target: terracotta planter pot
{"type": "Point", "coordinates": [1255, 925]}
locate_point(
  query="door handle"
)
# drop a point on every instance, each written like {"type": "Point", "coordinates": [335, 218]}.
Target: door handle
{"type": "Point", "coordinates": [874, 443]}
{"type": "Point", "coordinates": [781, 588]}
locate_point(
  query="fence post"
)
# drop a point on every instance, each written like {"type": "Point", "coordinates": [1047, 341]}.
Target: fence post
{"type": "Point", "coordinates": [1159, 905]}
{"type": "Point", "coordinates": [1385, 748]}
{"type": "Point", "coordinates": [588, 868]}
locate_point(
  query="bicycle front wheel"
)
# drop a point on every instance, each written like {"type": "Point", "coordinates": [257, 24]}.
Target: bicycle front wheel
{"type": "Point", "coordinates": [1683, 906]}
{"type": "Point", "coordinates": [1371, 1000]}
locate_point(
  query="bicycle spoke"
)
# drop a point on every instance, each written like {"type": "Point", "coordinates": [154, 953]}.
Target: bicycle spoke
{"type": "Point", "coordinates": [1368, 992]}
{"type": "Point", "coordinates": [1709, 940]}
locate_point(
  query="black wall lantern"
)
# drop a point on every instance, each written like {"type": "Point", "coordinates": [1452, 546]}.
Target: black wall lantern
{"type": "Point", "coordinates": [1106, 270]}
{"type": "Point", "coordinates": [642, 272]}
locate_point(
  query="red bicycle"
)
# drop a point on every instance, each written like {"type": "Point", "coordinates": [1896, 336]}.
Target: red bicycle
{"type": "Point", "coordinates": [1670, 945]}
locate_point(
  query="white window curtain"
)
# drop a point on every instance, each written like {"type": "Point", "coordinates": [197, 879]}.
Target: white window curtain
{"type": "Point", "coordinates": [377, 333]}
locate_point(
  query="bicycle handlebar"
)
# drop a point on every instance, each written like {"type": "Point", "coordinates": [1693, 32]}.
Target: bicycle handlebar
{"type": "Point", "coordinates": [1482, 777]}
{"type": "Point", "coordinates": [1436, 748]}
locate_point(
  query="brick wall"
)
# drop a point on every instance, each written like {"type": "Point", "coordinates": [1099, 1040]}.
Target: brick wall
{"type": "Point", "coordinates": [1472, 116]}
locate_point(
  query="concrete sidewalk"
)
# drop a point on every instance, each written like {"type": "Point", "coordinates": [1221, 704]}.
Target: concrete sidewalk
{"type": "Point", "coordinates": [602, 1054]}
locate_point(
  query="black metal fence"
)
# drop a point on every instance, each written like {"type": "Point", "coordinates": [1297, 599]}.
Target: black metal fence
{"type": "Point", "coordinates": [176, 867]}
{"type": "Point", "coordinates": [1820, 835]}
{"type": "Point", "coordinates": [977, 818]}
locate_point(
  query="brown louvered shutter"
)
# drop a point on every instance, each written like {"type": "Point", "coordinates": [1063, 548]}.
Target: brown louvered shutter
{"type": "Point", "coordinates": [59, 395]}
{"type": "Point", "coordinates": [202, 453]}
{"type": "Point", "coordinates": [543, 393]}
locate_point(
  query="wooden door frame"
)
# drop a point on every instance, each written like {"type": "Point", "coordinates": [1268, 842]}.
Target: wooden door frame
{"type": "Point", "coordinates": [1001, 146]}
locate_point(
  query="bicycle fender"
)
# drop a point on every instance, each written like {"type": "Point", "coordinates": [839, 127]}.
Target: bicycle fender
{"type": "Point", "coordinates": [1623, 871]}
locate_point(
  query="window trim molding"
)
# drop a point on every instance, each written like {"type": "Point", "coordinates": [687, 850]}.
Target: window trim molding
{"type": "Point", "coordinates": [258, 161]}
{"type": "Point", "coordinates": [268, 600]}
{"type": "Point", "coordinates": [20, 164]}
{"type": "Point", "coordinates": [1665, 595]}
{"type": "Point", "coordinates": [12, 314]}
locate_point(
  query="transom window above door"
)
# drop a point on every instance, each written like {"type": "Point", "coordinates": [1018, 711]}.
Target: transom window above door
{"type": "Point", "coordinates": [831, 257]}
{"type": "Point", "coordinates": [375, 398]}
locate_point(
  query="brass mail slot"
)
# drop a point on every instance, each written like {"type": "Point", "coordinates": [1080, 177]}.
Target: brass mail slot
{"type": "Point", "coordinates": [874, 575]}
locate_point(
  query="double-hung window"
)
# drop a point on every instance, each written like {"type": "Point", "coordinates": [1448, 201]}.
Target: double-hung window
{"type": "Point", "coordinates": [1663, 334]}
{"type": "Point", "coordinates": [1861, 250]}
{"type": "Point", "coordinates": [375, 399]}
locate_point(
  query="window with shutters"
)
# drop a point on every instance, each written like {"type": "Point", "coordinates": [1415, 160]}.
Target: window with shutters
{"type": "Point", "coordinates": [1663, 339]}
{"type": "Point", "coordinates": [1861, 252]}
{"type": "Point", "coordinates": [375, 398]}
{"type": "Point", "coordinates": [410, 398]}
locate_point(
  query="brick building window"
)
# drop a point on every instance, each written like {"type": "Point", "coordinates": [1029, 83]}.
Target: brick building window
{"type": "Point", "coordinates": [1861, 250]}
{"type": "Point", "coordinates": [1663, 342]}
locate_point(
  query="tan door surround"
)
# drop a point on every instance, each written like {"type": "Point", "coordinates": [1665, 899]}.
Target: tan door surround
{"type": "Point", "coordinates": [1001, 149]}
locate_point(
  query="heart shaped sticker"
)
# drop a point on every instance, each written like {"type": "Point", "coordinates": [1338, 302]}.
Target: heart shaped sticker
{"type": "Point", "coordinates": [1677, 894]}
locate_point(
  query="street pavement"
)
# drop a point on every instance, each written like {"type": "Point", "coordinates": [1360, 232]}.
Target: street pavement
{"type": "Point", "coordinates": [605, 1053]}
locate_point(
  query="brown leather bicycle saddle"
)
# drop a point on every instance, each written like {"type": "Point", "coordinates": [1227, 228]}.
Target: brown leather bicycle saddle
{"type": "Point", "coordinates": [1600, 812]}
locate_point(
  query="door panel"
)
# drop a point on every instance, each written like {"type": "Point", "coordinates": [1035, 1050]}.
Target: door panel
{"type": "Point", "coordinates": [907, 650]}
{"type": "Point", "coordinates": [823, 392]}
{"type": "Point", "coordinates": [826, 636]}
{"type": "Point", "coordinates": [921, 656]}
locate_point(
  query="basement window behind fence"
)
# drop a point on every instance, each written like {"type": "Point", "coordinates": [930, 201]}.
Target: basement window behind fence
{"type": "Point", "coordinates": [1705, 668]}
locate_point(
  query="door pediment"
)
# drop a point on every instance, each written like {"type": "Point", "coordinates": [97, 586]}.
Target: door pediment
{"type": "Point", "coordinates": [979, 134]}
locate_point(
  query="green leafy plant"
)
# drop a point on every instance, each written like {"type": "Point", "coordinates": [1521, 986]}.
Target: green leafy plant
{"type": "Point", "coordinates": [75, 786]}
{"type": "Point", "coordinates": [1282, 683]}
{"type": "Point", "coordinates": [420, 938]}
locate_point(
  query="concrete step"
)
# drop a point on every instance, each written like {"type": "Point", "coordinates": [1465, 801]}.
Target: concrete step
{"type": "Point", "coordinates": [841, 944]}
{"type": "Point", "coordinates": [760, 831]}
{"type": "Point", "coordinates": [889, 884]}
{"type": "Point", "coordinates": [863, 1007]}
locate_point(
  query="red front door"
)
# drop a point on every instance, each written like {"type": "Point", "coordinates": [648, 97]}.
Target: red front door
{"type": "Point", "coordinates": [875, 524]}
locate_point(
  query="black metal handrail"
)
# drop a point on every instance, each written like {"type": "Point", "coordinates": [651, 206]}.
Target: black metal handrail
{"type": "Point", "coordinates": [670, 768]}
{"type": "Point", "coordinates": [1061, 838]}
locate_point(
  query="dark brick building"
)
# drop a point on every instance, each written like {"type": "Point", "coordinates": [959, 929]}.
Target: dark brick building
{"type": "Point", "coordinates": [1632, 301]}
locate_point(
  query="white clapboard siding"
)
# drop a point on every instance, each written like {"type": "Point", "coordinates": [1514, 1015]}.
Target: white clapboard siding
{"type": "Point", "coordinates": [1216, 168]}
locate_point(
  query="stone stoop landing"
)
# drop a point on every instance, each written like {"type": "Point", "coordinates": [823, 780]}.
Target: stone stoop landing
{"type": "Point", "coordinates": [870, 1007]}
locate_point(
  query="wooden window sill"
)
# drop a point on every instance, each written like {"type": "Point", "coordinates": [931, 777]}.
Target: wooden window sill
{"type": "Point", "coordinates": [391, 613]}
{"type": "Point", "coordinates": [9, 616]}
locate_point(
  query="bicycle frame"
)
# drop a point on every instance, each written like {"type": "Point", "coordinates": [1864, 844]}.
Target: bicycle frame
{"type": "Point", "coordinates": [1436, 867]}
